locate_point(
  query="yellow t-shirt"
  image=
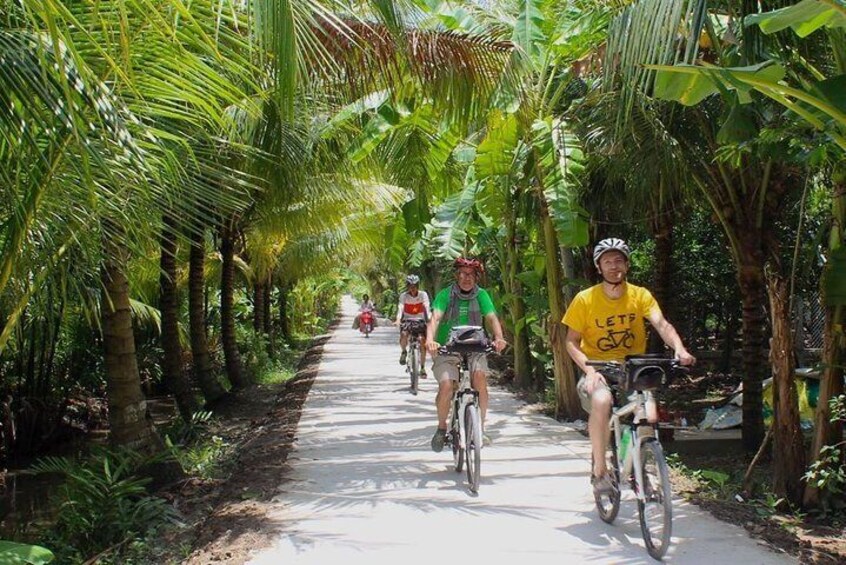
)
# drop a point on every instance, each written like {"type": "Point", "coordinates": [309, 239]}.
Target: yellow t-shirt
{"type": "Point", "coordinates": [611, 328]}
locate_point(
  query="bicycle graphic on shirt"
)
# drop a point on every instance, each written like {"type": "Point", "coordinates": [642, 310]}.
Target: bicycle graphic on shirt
{"type": "Point", "coordinates": [623, 338]}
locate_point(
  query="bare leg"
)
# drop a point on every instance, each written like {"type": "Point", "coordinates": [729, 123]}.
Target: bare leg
{"type": "Point", "coordinates": [598, 428]}
{"type": "Point", "coordinates": [442, 400]}
{"type": "Point", "coordinates": [480, 383]}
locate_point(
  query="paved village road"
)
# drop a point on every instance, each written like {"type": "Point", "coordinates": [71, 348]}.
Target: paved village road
{"type": "Point", "coordinates": [365, 487]}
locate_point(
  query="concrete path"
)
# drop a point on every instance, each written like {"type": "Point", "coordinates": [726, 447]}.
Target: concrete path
{"type": "Point", "coordinates": [366, 488]}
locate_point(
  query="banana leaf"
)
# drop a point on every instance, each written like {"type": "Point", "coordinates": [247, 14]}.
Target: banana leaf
{"type": "Point", "coordinates": [803, 18]}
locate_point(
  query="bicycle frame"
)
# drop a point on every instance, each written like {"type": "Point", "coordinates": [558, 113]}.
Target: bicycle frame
{"type": "Point", "coordinates": [632, 461]}
{"type": "Point", "coordinates": [463, 396]}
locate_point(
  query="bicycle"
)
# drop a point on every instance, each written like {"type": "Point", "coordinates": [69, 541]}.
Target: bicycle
{"type": "Point", "coordinates": [414, 328]}
{"type": "Point", "coordinates": [464, 431]}
{"type": "Point", "coordinates": [643, 463]}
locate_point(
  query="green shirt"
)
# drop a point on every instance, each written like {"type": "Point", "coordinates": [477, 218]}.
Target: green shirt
{"type": "Point", "coordinates": [441, 304]}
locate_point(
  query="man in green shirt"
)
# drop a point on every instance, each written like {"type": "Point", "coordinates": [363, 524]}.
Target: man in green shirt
{"type": "Point", "coordinates": [462, 303]}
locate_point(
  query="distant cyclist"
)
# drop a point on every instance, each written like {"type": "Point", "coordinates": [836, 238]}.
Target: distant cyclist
{"type": "Point", "coordinates": [413, 307]}
{"type": "Point", "coordinates": [462, 303]}
{"type": "Point", "coordinates": [606, 322]}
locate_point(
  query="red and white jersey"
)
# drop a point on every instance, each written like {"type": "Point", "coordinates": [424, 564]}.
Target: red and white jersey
{"type": "Point", "coordinates": [413, 307]}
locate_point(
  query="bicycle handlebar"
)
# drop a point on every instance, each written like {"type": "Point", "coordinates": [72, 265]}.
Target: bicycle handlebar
{"type": "Point", "coordinates": [640, 372]}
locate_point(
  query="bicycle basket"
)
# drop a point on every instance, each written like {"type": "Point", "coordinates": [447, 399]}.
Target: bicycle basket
{"type": "Point", "coordinates": [645, 374]}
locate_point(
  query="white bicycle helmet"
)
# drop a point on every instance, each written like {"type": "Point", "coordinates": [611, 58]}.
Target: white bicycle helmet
{"type": "Point", "coordinates": [610, 244]}
{"type": "Point", "coordinates": [412, 279]}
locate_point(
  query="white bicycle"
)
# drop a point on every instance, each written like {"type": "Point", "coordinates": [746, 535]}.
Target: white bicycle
{"type": "Point", "coordinates": [634, 454]}
{"type": "Point", "coordinates": [464, 432]}
{"type": "Point", "coordinates": [414, 365]}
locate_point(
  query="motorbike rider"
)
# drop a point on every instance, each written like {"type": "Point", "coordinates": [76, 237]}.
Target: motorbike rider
{"type": "Point", "coordinates": [413, 307]}
{"type": "Point", "coordinates": [366, 306]}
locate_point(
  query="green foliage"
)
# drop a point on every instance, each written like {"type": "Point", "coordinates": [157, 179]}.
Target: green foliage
{"type": "Point", "coordinates": [828, 472]}
{"type": "Point", "coordinates": [253, 347]}
{"type": "Point", "coordinates": [803, 18]}
{"type": "Point", "coordinates": [199, 458]}
{"type": "Point", "coordinates": [12, 553]}
{"type": "Point", "coordinates": [102, 502]}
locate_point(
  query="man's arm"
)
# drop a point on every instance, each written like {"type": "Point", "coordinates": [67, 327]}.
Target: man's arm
{"type": "Point", "coordinates": [399, 312]}
{"type": "Point", "coordinates": [432, 331]}
{"type": "Point", "coordinates": [499, 342]}
{"type": "Point", "coordinates": [573, 343]}
{"type": "Point", "coordinates": [671, 337]}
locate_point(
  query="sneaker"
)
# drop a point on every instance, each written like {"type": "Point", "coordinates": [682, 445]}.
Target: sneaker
{"type": "Point", "coordinates": [602, 485]}
{"type": "Point", "coordinates": [402, 357]}
{"type": "Point", "coordinates": [438, 440]}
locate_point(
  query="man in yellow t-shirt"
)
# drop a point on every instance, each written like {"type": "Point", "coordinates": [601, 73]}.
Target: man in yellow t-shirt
{"type": "Point", "coordinates": [606, 322]}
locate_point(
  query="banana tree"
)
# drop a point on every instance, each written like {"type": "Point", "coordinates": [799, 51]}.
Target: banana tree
{"type": "Point", "coordinates": [820, 104]}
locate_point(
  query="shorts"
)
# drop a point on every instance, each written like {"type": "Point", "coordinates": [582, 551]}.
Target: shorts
{"type": "Point", "coordinates": [584, 397]}
{"type": "Point", "coordinates": [447, 367]}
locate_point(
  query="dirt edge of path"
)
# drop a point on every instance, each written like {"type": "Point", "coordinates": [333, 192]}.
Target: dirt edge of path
{"type": "Point", "coordinates": [229, 520]}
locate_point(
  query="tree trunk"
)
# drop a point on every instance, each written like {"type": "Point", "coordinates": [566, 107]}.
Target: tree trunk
{"type": "Point", "coordinates": [752, 289]}
{"type": "Point", "coordinates": [522, 355]}
{"type": "Point", "coordinates": [130, 423]}
{"type": "Point", "coordinates": [172, 372]}
{"type": "Point", "coordinates": [234, 369]}
{"type": "Point", "coordinates": [788, 446]}
{"type": "Point", "coordinates": [662, 231]}
{"type": "Point", "coordinates": [827, 432]}
{"type": "Point", "coordinates": [258, 306]}
{"type": "Point", "coordinates": [268, 320]}
{"type": "Point", "coordinates": [203, 368]}
{"type": "Point", "coordinates": [566, 398]}
{"type": "Point", "coordinates": [284, 320]}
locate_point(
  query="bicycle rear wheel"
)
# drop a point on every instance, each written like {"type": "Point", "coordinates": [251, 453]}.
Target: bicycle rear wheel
{"type": "Point", "coordinates": [608, 504]}
{"type": "Point", "coordinates": [413, 369]}
{"type": "Point", "coordinates": [656, 511]}
{"type": "Point", "coordinates": [473, 441]}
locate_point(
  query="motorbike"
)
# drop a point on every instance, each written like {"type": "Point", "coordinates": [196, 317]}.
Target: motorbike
{"type": "Point", "coordinates": [365, 323]}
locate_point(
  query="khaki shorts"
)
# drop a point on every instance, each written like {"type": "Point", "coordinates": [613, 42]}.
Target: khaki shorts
{"type": "Point", "coordinates": [447, 367]}
{"type": "Point", "coordinates": [584, 397]}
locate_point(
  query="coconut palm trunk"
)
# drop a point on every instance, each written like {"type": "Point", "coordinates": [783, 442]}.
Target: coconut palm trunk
{"type": "Point", "coordinates": [755, 367]}
{"type": "Point", "coordinates": [268, 319]}
{"type": "Point", "coordinates": [130, 423]}
{"type": "Point", "coordinates": [234, 368]}
{"type": "Point", "coordinates": [284, 320]}
{"type": "Point", "coordinates": [203, 369]}
{"type": "Point", "coordinates": [789, 449]}
{"type": "Point", "coordinates": [172, 373]}
{"type": "Point", "coordinates": [258, 306]}
{"type": "Point", "coordinates": [662, 233]}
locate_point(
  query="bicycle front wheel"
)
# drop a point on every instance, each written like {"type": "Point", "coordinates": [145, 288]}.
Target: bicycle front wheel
{"type": "Point", "coordinates": [457, 450]}
{"type": "Point", "coordinates": [608, 504]}
{"type": "Point", "coordinates": [413, 369]}
{"type": "Point", "coordinates": [473, 441]}
{"type": "Point", "coordinates": [656, 508]}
